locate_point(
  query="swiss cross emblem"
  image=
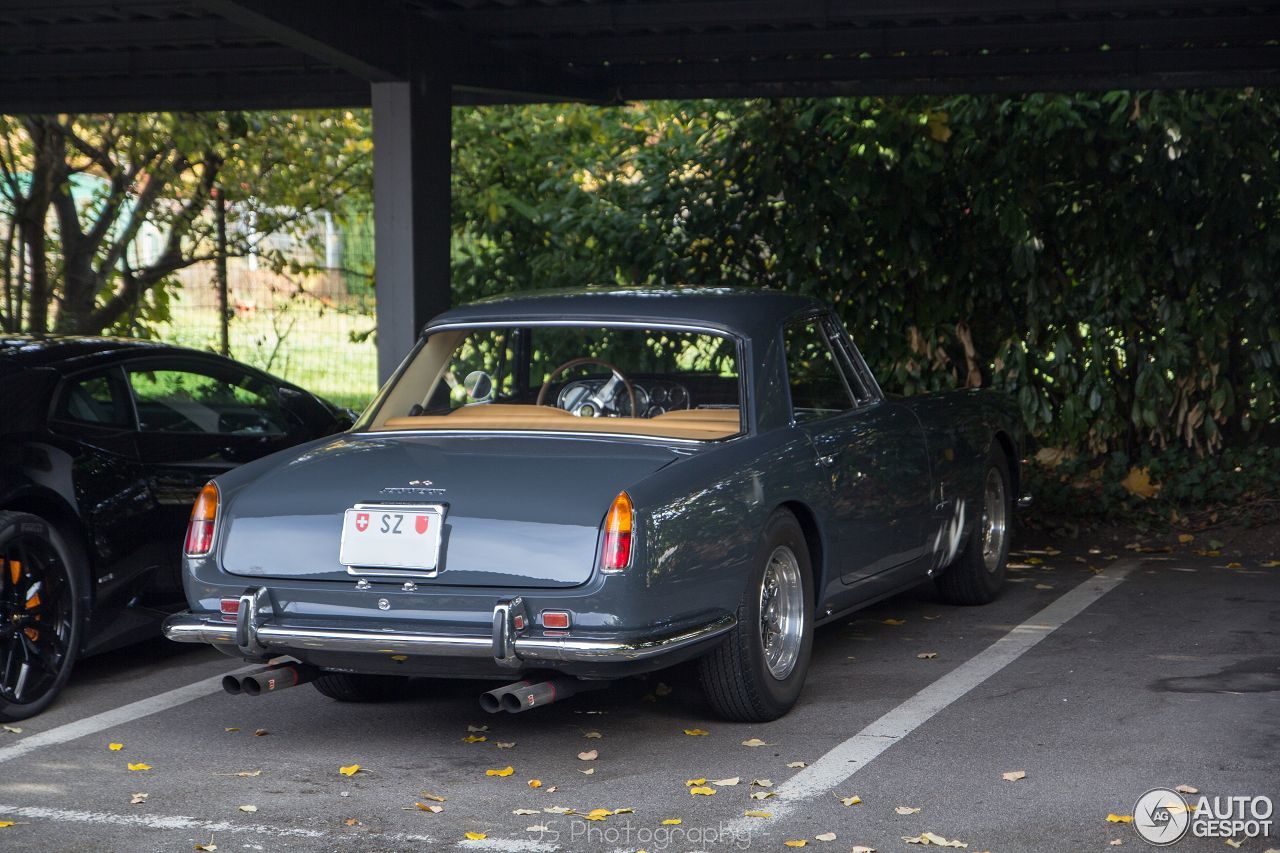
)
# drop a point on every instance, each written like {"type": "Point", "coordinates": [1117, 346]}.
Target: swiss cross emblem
{"type": "Point", "coordinates": [362, 521]}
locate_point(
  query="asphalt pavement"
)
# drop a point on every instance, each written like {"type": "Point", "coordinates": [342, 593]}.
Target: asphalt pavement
{"type": "Point", "coordinates": [1091, 679]}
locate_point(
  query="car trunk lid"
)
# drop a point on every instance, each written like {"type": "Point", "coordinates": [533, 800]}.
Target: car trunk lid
{"type": "Point", "coordinates": [520, 511]}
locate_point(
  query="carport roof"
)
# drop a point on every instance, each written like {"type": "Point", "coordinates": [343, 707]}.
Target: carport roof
{"type": "Point", "coordinates": [72, 55]}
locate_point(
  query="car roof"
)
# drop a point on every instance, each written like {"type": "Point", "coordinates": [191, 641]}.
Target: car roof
{"type": "Point", "coordinates": [750, 312]}
{"type": "Point", "coordinates": [73, 352]}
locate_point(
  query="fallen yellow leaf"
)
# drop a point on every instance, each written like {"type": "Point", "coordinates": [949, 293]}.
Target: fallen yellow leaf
{"type": "Point", "coordinates": [825, 836]}
{"type": "Point", "coordinates": [927, 838]}
{"type": "Point", "coordinates": [5, 824]}
{"type": "Point", "coordinates": [1271, 564]}
{"type": "Point", "coordinates": [593, 735]}
{"type": "Point", "coordinates": [1231, 842]}
{"type": "Point", "coordinates": [351, 821]}
{"type": "Point", "coordinates": [260, 732]}
{"type": "Point", "coordinates": [209, 847]}
{"type": "Point", "coordinates": [1184, 538]}
{"type": "Point", "coordinates": [115, 747]}
{"type": "Point", "coordinates": [138, 799]}
{"type": "Point", "coordinates": [689, 782]}
{"type": "Point", "coordinates": [597, 814]}
{"type": "Point", "coordinates": [1235, 566]}
{"type": "Point", "coordinates": [697, 732]}
{"type": "Point", "coordinates": [860, 848]}
{"type": "Point", "coordinates": [907, 810]}
{"type": "Point", "coordinates": [590, 771]}
{"type": "Point", "coordinates": [1119, 818]}
{"type": "Point", "coordinates": [349, 770]}
{"type": "Point", "coordinates": [762, 795]}
{"type": "Point", "coordinates": [429, 808]}
{"type": "Point", "coordinates": [755, 741]}
{"type": "Point", "coordinates": [850, 801]}
{"type": "Point", "coordinates": [535, 783]}
{"type": "Point", "coordinates": [927, 655]}
{"type": "Point", "coordinates": [249, 773]}
{"type": "Point", "coordinates": [701, 790]}
{"type": "Point", "coordinates": [624, 810]}
{"type": "Point", "coordinates": [249, 809]}
{"type": "Point", "coordinates": [730, 782]}
{"type": "Point", "coordinates": [525, 811]}
{"type": "Point", "coordinates": [1013, 775]}
{"type": "Point", "coordinates": [475, 739]}
{"type": "Point", "coordinates": [1186, 789]}
{"type": "Point", "coordinates": [1138, 482]}
{"type": "Point", "coordinates": [139, 766]}
{"type": "Point", "coordinates": [474, 729]}
{"type": "Point", "coordinates": [762, 783]}
{"type": "Point", "coordinates": [13, 730]}
{"type": "Point", "coordinates": [757, 813]}
{"type": "Point", "coordinates": [894, 621]}
{"type": "Point", "coordinates": [589, 755]}
{"type": "Point", "coordinates": [796, 764]}
{"type": "Point", "coordinates": [432, 797]}
{"type": "Point", "coordinates": [476, 836]}
{"type": "Point", "coordinates": [798, 842]}
{"type": "Point", "coordinates": [502, 745]}
{"type": "Point", "coordinates": [232, 729]}
{"type": "Point", "coordinates": [672, 821]}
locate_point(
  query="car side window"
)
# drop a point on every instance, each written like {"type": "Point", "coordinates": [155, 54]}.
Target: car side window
{"type": "Point", "coordinates": [192, 401]}
{"type": "Point", "coordinates": [818, 389]}
{"type": "Point", "coordinates": [851, 364]}
{"type": "Point", "coordinates": [98, 401]}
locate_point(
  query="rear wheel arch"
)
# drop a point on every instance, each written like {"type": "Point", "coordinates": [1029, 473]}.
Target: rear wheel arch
{"type": "Point", "coordinates": [56, 512]}
{"type": "Point", "coordinates": [1005, 442]}
{"type": "Point", "coordinates": [808, 521]}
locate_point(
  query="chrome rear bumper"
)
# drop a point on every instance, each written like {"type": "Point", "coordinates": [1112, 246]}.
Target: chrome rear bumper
{"type": "Point", "coordinates": [256, 635]}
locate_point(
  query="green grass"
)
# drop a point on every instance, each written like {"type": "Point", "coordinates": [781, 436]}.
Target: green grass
{"type": "Point", "coordinates": [302, 340]}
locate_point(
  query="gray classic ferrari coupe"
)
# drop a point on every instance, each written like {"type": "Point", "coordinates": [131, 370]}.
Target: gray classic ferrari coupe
{"type": "Point", "coordinates": [566, 487]}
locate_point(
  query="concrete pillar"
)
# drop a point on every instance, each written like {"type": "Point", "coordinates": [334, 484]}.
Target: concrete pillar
{"type": "Point", "coordinates": [412, 129]}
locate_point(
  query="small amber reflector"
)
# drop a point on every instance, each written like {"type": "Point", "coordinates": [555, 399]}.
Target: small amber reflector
{"type": "Point", "coordinates": [555, 619]}
{"type": "Point", "coordinates": [203, 515]}
{"type": "Point", "coordinates": [617, 534]}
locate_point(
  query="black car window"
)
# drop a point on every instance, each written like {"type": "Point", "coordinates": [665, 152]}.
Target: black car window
{"type": "Point", "coordinates": [180, 400]}
{"type": "Point", "coordinates": [95, 400]}
{"type": "Point", "coordinates": [850, 361]}
{"type": "Point", "coordinates": [817, 387]}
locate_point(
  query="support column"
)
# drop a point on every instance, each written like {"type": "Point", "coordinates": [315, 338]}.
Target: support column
{"type": "Point", "coordinates": [412, 130]}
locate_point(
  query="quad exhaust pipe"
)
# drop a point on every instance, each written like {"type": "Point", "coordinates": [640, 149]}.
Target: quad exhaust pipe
{"type": "Point", "coordinates": [523, 695]}
{"type": "Point", "coordinates": [270, 679]}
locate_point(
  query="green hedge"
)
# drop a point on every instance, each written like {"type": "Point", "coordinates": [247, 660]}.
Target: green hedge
{"type": "Point", "coordinates": [1108, 260]}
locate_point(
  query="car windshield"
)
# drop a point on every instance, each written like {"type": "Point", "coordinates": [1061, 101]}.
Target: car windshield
{"type": "Point", "coordinates": [633, 381]}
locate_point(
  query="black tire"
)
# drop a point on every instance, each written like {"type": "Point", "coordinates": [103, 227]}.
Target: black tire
{"type": "Point", "coordinates": [736, 677]}
{"type": "Point", "coordinates": [43, 579]}
{"type": "Point", "coordinates": [355, 687]}
{"type": "Point", "coordinates": [973, 578]}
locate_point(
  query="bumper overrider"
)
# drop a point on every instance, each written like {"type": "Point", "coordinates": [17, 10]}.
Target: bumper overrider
{"type": "Point", "coordinates": [256, 634]}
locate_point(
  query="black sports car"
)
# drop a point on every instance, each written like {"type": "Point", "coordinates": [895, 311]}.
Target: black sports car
{"type": "Point", "coordinates": [104, 444]}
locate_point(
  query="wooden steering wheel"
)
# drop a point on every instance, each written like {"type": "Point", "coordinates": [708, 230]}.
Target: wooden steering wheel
{"type": "Point", "coordinates": [577, 362]}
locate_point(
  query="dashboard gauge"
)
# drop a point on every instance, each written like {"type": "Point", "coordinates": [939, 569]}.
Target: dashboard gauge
{"type": "Point", "coordinates": [654, 411]}
{"type": "Point", "coordinates": [658, 394]}
{"type": "Point", "coordinates": [678, 397]}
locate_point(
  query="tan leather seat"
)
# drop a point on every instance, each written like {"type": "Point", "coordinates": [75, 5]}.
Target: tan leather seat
{"type": "Point", "coordinates": [698, 424]}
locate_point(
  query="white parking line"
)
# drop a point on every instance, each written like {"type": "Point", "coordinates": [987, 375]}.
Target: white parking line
{"type": "Point", "coordinates": [847, 758]}
{"type": "Point", "coordinates": [118, 716]}
{"type": "Point", "coordinates": [177, 822]}
{"type": "Point", "coordinates": [213, 827]}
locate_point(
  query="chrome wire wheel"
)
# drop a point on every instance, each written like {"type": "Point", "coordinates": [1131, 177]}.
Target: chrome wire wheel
{"type": "Point", "coordinates": [995, 520]}
{"type": "Point", "coordinates": [781, 612]}
{"type": "Point", "coordinates": [36, 618]}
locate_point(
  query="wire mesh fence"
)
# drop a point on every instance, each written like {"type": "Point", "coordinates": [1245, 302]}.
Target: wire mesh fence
{"type": "Point", "coordinates": [311, 323]}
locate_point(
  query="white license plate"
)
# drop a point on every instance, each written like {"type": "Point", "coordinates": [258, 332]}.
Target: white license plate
{"type": "Point", "coordinates": [382, 536]}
